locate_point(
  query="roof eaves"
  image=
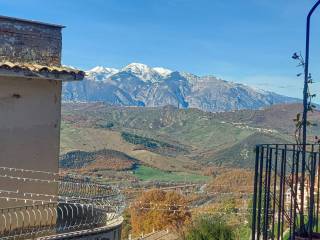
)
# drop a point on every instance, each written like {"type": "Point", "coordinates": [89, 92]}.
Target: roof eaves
{"type": "Point", "coordinates": [31, 21]}
{"type": "Point", "coordinates": [40, 71]}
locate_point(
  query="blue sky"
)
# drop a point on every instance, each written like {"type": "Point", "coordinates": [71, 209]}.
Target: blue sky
{"type": "Point", "coordinates": [248, 41]}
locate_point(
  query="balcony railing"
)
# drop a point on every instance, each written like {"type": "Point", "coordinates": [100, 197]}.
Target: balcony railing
{"type": "Point", "coordinates": [286, 191]}
{"type": "Point", "coordinates": [79, 204]}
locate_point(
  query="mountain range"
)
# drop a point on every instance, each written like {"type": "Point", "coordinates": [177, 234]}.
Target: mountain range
{"type": "Point", "coordinates": [140, 85]}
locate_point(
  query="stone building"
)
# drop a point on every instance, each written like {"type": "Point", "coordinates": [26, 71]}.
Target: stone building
{"type": "Point", "coordinates": [31, 77]}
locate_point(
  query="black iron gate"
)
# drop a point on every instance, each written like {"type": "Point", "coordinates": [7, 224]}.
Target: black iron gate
{"type": "Point", "coordinates": [286, 191]}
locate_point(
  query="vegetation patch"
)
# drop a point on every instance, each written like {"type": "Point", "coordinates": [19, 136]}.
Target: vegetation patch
{"type": "Point", "coordinates": [152, 144]}
{"type": "Point", "coordinates": [145, 173]}
{"type": "Point", "coordinates": [107, 125]}
{"type": "Point", "coordinates": [104, 159]}
{"type": "Point", "coordinates": [233, 181]}
{"type": "Point", "coordinates": [145, 216]}
{"type": "Point", "coordinates": [210, 227]}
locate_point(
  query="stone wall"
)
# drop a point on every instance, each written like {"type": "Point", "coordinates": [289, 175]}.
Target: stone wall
{"type": "Point", "coordinates": [30, 42]}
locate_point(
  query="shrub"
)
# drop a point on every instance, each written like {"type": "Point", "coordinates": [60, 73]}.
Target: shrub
{"type": "Point", "coordinates": [209, 227]}
{"type": "Point", "coordinates": [158, 210]}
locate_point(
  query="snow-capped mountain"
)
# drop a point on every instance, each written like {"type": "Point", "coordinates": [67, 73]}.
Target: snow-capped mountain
{"type": "Point", "coordinates": [140, 85]}
{"type": "Point", "coordinates": [146, 73]}
{"type": "Point", "coordinates": [100, 73]}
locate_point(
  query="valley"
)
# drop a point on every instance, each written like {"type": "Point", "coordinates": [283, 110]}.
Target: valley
{"type": "Point", "coordinates": [207, 157]}
{"type": "Point", "coordinates": [170, 139]}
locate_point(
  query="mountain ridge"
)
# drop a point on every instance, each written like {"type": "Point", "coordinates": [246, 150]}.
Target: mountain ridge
{"type": "Point", "coordinates": [138, 84]}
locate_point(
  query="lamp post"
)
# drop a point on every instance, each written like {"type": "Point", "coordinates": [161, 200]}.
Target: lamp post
{"type": "Point", "coordinates": [306, 74]}
{"type": "Point", "coordinates": [304, 124]}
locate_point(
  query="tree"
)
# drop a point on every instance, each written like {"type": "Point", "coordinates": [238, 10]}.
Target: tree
{"type": "Point", "coordinates": [209, 227]}
{"type": "Point", "coordinates": [157, 210]}
{"type": "Point", "coordinates": [126, 226]}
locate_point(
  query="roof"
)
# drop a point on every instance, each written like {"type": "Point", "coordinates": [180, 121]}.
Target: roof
{"type": "Point", "coordinates": [160, 235]}
{"type": "Point", "coordinates": [62, 73]}
{"type": "Point", "coordinates": [31, 21]}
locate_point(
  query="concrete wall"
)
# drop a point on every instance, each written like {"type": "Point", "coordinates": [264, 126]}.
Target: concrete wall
{"type": "Point", "coordinates": [113, 234]}
{"type": "Point", "coordinates": [29, 42]}
{"type": "Point", "coordinates": [29, 132]}
{"type": "Point", "coordinates": [108, 233]}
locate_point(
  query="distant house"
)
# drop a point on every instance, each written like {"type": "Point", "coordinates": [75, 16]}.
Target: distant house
{"type": "Point", "coordinates": [306, 191]}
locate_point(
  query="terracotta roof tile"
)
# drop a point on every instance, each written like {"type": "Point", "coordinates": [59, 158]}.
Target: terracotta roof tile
{"type": "Point", "coordinates": [43, 71]}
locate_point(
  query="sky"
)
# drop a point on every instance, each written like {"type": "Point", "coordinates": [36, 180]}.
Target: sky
{"type": "Point", "coordinates": [246, 41]}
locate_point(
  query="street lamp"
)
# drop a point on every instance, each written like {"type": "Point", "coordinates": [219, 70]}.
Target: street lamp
{"type": "Point", "coordinates": [306, 74]}
{"type": "Point", "coordinates": [304, 126]}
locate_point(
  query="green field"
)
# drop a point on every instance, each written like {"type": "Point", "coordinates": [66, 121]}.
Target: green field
{"type": "Point", "coordinates": [145, 173]}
